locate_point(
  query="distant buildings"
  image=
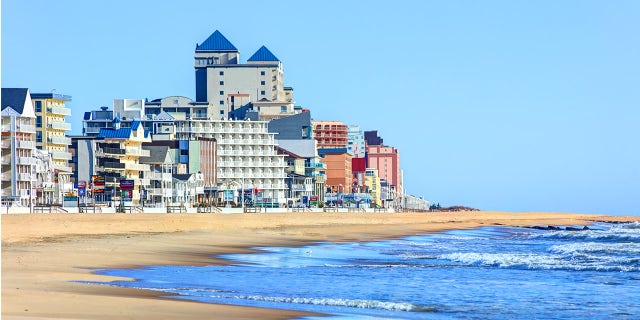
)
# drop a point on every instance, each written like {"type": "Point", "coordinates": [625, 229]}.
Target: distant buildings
{"type": "Point", "coordinates": [242, 138]}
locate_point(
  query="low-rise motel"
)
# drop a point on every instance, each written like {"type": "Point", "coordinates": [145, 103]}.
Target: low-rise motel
{"type": "Point", "coordinates": [242, 143]}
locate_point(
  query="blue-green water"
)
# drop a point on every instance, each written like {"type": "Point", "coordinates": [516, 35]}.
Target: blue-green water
{"type": "Point", "coordinates": [488, 273]}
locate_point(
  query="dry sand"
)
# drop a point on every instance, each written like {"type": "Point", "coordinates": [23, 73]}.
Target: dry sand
{"type": "Point", "coordinates": [42, 254]}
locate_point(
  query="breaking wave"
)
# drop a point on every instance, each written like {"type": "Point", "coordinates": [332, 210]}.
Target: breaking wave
{"type": "Point", "coordinates": [351, 303]}
{"type": "Point", "coordinates": [546, 262]}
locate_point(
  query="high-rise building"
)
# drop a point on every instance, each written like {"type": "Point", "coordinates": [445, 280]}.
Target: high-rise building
{"type": "Point", "coordinates": [17, 147]}
{"type": "Point", "coordinates": [356, 143]}
{"type": "Point", "coordinates": [330, 134]}
{"type": "Point", "coordinates": [387, 161]}
{"type": "Point", "coordinates": [51, 129]}
{"type": "Point", "coordinates": [226, 84]}
{"type": "Point", "coordinates": [51, 136]}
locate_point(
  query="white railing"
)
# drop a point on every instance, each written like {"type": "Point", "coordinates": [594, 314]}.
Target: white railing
{"type": "Point", "coordinates": [60, 110]}
{"type": "Point", "coordinates": [136, 166]}
{"type": "Point", "coordinates": [25, 128]}
{"type": "Point", "coordinates": [59, 140]}
{"type": "Point", "coordinates": [25, 177]}
{"type": "Point", "coordinates": [24, 144]}
{"type": "Point", "coordinates": [61, 155]}
{"type": "Point", "coordinates": [59, 125]}
{"type": "Point", "coordinates": [137, 152]}
{"type": "Point", "coordinates": [26, 160]}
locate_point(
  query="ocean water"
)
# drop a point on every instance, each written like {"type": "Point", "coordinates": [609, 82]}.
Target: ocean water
{"type": "Point", "coordinates": [486, 273]}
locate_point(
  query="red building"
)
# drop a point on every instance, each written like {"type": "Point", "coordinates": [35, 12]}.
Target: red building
{"type": "Point", "coordinates": [330, 134]}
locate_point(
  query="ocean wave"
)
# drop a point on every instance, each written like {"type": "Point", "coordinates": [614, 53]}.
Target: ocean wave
{"type": "Point", "coordinates": [597, 247]}
{"type": "Point", "coordinates": [545, 262]}
{"type": "Point", "coordinates": [623, 233]}
{"type": "Point", "coordinates": [351, 303]}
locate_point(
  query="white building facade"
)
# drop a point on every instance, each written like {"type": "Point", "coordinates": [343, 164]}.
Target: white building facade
{"type": "Point", "coordinates": [247, 157]}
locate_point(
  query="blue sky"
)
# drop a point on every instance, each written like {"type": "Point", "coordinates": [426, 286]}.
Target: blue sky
{"type": "Point", "coordinates": [498, 105]}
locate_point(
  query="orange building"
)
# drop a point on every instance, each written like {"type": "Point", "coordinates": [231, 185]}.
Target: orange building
{"type": "Point", "coordinates": [330, 134]}
{"type": "Point", "coordinates": [339, 174]}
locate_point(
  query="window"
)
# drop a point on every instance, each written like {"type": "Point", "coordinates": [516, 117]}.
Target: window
{"type": "Point", "coordinates": [38, 106]}
{"type": "Point", "coordinates": [39, 121]}
{"type": "Point", "coordinates": [222, 83]}
{"type": "Point", "coordinates": [222, 73]}
{"type": "Point", "coordinates": [283, 109]}
{"type": "Point", "coordinates": [222, 102]}
{"type": "Point", "coordinates": [262, 83]}
{"type": "Point", "coordinates": [262, 92]}
{"type": "Point", "coordinates": [221, 111]}
{"type": "Point", "coordinates": [262, 73]}
{"type": "Point", "coordinates": [222, 93]}
{"type": "Point", "coordinates": [38, 136]}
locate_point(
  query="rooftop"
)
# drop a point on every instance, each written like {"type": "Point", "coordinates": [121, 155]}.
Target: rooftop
{"type": "Point", "coordinates": [216, 42]}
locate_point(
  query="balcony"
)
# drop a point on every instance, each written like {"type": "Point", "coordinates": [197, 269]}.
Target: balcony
{"type": "Point", "coordinates": [59, 140]}
{"type": "Point", "coordinates": [59, 110]}
{"type": "Point", "coordinates": [61, 168]}
{"type": "Point", "coordinates": [61, 155]}
{"type": "Point", "coordinates": [26, 144]}
{"type": "Point", "coordinates": [136, 166]}
{"type": "Point", "coordinates": [137, 152]}
{"type": "Point", "coordinates": [29, 128]}
{"type": "Point", "coordinates": [24, 177]}
{"type": "Point", "coordinates": [5, 144]}
{"type": "Point", "coordinates": [113, 165]}
{"type": "Point", "coordinates": [26, 161]}
{"type": "Point", "coordinates": [110, 151]}
{"type": "Point", "coordinates": [59, 126]}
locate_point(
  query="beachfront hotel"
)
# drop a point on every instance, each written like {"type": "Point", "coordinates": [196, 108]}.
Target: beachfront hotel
{"type": "Point", "coordinates": [18, 145]}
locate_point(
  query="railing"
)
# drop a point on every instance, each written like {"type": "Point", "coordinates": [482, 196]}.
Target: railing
{"type": "Point", "coordinates": [136, 166]}
{"type": "Point", "coordinates": [25, 128]}
{"type": "Point", "coordinates": [23, 144]}
{"type": "Point", "coordinates": [60, 110]}
{"type": "Point", "coordinates": [61, 155]}
{"type": "Point", "coordinates": [48, 209]}
{"type": "Point", "coordinates": [26, 160]}
{"type": "Point", "coordinates": [113, 165]}
{"type": "Point", "coordinates": [176, 209]}
{"type": "Point", "coordinates": [24, 176]}
{"type": "Point", "coordinates": [112, 151]}
{"type": "Point", "coordinates": [137, 152]}
{"type": "Point", "coordinates": [59, 126]}
{"type": "Point", "coordinates": [58, 140]}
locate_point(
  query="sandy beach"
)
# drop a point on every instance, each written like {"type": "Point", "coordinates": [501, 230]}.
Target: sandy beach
{"type": "Point", "coordinates": [46, 257]}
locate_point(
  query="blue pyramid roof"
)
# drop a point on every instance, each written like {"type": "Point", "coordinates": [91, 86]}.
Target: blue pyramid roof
{"type": "Point", "coordinates": [263, 54]}
{"type": "Point", "coordinates": [216, 42]}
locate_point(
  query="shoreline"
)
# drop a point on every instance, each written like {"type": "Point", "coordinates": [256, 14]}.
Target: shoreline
{"type": "Point", "coordinates": [46, 257]}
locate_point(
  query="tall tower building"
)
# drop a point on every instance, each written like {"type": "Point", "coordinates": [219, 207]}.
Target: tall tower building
{"type": "Point", "coordinates": [52, 127]}
{"type": "Point", "coordinates": [227, 84]}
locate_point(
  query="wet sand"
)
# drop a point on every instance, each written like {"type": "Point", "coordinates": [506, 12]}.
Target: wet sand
{"type": "Point", "coordinates": [46, 257]}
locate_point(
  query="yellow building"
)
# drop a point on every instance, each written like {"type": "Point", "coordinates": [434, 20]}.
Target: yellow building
{"type": "Point", "coordinates": [118, 157]}
{"type": "Point", "coordinates": [51, 135]}
{"type": "Point", "coordinates": [372, 183]}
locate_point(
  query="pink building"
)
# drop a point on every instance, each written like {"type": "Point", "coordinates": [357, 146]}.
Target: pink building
{"type": "Point", "coordinates": [387, 161]}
